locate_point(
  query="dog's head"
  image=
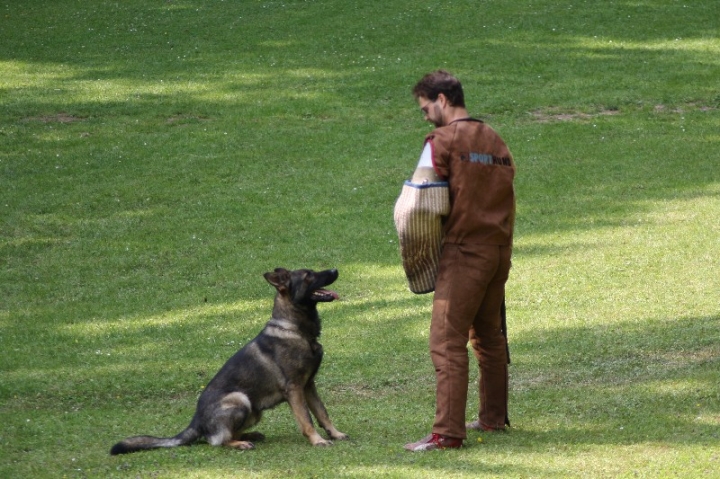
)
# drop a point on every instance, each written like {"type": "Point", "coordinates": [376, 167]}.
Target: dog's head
{"type": "Point", "coordinates": [304, 286]}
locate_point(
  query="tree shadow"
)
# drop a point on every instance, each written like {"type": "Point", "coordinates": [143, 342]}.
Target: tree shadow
{"type": "Point", "coordinates": [637, 381]}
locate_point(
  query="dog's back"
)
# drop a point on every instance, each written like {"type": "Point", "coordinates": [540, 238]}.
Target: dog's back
{"type": "Point", "coordinates": [281, 353]}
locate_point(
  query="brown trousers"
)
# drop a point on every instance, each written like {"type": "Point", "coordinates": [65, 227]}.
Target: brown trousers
{"type": "Point", "coordinates": [469, 292]}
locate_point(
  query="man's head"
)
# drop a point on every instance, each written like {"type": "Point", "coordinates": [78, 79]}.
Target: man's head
{"type": "Point", "coordinates": [435, 93]}
{"type": "Point", "coordinates": [437, 82]}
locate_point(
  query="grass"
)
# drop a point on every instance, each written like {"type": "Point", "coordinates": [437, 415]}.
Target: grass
{"type": "Point", "coordinates": [157, 157]}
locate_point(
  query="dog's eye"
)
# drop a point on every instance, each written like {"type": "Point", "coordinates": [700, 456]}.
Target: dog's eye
{"type": "Point", "coordinates": [308, 277]}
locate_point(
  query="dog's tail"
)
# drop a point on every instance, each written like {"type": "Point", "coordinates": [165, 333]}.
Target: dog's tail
{"type": "Point", "coordinates": [142, 443]}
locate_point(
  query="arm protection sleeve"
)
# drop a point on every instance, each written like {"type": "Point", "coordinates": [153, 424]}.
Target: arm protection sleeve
{"type": "Point", "coordinates": [418, 216]}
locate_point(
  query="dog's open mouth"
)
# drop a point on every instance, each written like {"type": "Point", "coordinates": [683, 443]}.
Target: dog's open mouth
{"type": "Point", "coordinates": [324, 295]}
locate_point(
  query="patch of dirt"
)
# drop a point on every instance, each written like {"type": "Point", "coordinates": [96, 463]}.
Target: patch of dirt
{"type": "Point", "coordinates": [546, 116]}
{"type": "Point", "coordinates": [683, 108]}
{"type": "Point", "coordinates": [56, 118]}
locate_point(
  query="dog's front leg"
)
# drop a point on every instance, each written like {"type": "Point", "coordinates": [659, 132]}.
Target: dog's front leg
{"type": "Point", "coordinates": [296, 399]}
{"type": "Point", "coordinates": [318, 409]}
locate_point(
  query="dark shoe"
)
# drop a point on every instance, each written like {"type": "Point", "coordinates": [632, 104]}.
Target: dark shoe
{"type": "Point", "coordinates": [434, 442]}
{"type": "Point", "coordinates": [476, 426]}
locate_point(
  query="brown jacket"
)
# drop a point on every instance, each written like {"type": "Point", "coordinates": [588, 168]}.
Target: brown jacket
{"type": "Point", "coordinates": [480, 170]}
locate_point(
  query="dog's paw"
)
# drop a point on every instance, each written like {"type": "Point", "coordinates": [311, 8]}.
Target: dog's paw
{"type": "Point", "coordinates": [322, 442]}
{"type": "Point", "coordinates": [241, 445]}
{"type": "Point", "coordinates": [335, 434]}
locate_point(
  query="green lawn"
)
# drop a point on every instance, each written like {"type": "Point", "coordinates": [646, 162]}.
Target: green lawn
{"type": "Point", "coordinates": [156, 157]}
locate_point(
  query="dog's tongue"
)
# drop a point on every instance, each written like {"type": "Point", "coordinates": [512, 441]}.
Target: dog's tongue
{"type": "Point", "coordinates": [325, 295]}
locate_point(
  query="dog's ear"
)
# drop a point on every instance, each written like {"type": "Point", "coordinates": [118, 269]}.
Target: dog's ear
{"type": "Point", "coordinates": [278, 278]}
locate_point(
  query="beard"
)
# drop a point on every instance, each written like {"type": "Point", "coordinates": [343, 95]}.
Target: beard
{"type": "Point", "coordinates": [438, 119]}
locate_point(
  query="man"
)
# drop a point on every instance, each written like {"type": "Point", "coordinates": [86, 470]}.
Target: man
{"type": "Point", "coordinates": [474, 262]}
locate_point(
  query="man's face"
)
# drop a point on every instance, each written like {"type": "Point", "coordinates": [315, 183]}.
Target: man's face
{"type": "Point", "coordinates": [432, 110]}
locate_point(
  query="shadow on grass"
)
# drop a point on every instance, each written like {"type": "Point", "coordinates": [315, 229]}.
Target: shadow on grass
{"type": "Point", "coordinates": [600, 378]}
{"type": "Point", "coordinates": [640, 382]}
{"type": "Point", "coordinates": [591, 173]}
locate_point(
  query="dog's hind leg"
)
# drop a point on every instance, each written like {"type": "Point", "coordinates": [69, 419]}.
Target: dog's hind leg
{"type": "Point", "coordinates": [318, 409]}
{"type": "Point", "coordinates": [230, 419]}
{"type": "Point", "coordinates": [296, 399]}
{"type": "Point", "coordinates": [245, 440]}
{"type": "Point", "coordinates": [224, 436]}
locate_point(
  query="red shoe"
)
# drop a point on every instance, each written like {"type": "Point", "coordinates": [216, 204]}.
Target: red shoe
{"type": "Point", "coordinates": [434, 442]}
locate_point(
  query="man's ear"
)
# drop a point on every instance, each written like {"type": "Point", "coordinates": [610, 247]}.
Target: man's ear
{"type": "Point", "coordinates": [442, 99]}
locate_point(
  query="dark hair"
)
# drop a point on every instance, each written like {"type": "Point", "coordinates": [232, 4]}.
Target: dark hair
{"type": "Point", "coordinates": [440, 81]}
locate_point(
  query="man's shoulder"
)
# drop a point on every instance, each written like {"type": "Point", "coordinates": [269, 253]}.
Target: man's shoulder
{"type": "Point", "coordinates": [464, 127]}
{"type": "Point", "coordinates": [446, 131]}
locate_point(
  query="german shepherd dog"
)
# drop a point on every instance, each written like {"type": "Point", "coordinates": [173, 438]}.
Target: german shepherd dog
{"type": "Point", "coordinates": [279, 365]}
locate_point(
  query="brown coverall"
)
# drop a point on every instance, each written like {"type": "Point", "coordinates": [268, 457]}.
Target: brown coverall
{"type": "Point", "coordinates": [474, 266]}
